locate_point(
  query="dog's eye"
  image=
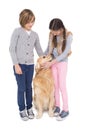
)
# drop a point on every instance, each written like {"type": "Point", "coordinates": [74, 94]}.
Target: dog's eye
{"type": "Point", "coordinates": [44, 56]}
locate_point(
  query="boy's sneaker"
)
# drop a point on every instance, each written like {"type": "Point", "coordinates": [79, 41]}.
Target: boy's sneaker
{"type": "Point", "coordinates": [23, 115]}
{"type": "Point", "coordinates": [62, 115]}
{"type": "Point", "coordinates": [30, 113]}
{"type": "Point", "coordinates": [56, 111]}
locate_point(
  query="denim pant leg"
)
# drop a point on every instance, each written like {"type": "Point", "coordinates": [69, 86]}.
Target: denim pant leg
{"type": "Point", "coordinates": [21, 90]}
{"type": "Point", "coordinates": [29, 76]}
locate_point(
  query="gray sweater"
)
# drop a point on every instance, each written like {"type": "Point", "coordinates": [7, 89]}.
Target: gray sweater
{"type": "Point", "coordinates": [62, 56]}
{"type": "Point", "coordinates": [22, 46]}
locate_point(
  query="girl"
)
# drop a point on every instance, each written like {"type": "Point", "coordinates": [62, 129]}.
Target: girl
{"type": "Point", "coordinates": [59, 45]}
{"type": "Point", "coordinates": [23, 42]}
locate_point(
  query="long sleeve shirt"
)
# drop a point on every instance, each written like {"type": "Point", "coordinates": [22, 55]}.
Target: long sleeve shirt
{"type": "Point", "coordinates": [63, 56]}
{"type": "Point", "coordinates": [22, 46]}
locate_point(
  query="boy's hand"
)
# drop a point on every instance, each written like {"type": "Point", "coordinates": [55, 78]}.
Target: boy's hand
{"type": "Point", "coordinates": [18, 69]}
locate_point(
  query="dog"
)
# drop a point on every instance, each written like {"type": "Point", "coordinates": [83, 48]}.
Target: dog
{"type": "Point", "coordinates": [43, 88]}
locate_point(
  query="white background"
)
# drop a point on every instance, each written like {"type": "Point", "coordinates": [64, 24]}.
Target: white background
{"type": "Point", "coordinates": [73, 13]}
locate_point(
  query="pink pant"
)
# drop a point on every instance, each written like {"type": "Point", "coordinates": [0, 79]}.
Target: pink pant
{"type": "Point", "coordinates": [59, 71]}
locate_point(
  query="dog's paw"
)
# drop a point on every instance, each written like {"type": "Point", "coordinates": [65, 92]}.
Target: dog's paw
{"type": "Point", "coordinates": [51, 114]}
{"type": "Point", "coordinates": [38, 116]}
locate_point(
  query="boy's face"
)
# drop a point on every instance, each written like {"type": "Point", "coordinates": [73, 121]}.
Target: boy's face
{"type": "Point", "coordinates": [29, 25]}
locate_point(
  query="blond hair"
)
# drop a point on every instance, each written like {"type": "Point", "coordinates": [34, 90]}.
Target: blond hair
{"type": "Point", "coordinates": [26, 16]}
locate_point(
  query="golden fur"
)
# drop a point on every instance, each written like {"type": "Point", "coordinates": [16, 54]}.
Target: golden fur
{"type": "Point", "coordinates": [43, 88]}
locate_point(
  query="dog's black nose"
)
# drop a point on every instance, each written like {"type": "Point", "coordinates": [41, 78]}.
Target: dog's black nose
{"type": "Point", "coordinates": [44, 56]}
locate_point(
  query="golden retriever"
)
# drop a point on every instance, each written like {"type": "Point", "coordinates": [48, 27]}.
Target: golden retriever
{"type": "Point", "coordinates": [43, 88]}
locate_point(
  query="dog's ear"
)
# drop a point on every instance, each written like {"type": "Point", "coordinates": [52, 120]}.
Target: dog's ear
{"type": "Point", "coordinates": [37, 67]}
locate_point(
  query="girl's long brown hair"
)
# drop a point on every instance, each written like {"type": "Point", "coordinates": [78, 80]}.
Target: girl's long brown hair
{"type": "Point", "coordinates": [55, 25]}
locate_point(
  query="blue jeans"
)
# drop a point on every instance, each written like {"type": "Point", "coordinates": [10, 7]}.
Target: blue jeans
{"type": "Point", "coordinates": [24, 82]}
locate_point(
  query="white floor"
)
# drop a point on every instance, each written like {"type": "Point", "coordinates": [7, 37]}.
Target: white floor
{"type": "Point", "coordinates": [10, 120]}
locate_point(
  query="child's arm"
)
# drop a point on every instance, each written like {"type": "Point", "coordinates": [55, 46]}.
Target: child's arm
{"type": "Point", "coordinates": [67, 49]}
{"type": "Point", "coordinates": [38, 47]}
{"type": "Point", "coordinates": [13, 46]}
{"type": "Point", "coordinates": [46, 51]}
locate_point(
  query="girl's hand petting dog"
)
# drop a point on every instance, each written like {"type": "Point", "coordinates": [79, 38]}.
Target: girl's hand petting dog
{"type": "Point", "coordinates": [18, 69]}
{"type": "Point", "coordinates": [47, 65]}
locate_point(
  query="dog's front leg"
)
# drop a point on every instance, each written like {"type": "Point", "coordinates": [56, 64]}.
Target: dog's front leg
{"type": "Point", "coordinates": [40, 112]}
{"type": "Point", "coordinates": [51, 105]}
{"type": "Point", "coordinates": [50, 111]}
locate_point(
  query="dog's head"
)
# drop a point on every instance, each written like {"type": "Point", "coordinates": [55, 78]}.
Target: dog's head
{"type": "Point", "coordinates": [41, 60]}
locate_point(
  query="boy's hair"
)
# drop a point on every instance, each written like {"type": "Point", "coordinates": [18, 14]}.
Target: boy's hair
{"type": "Point", "coordinates": [26, 16]}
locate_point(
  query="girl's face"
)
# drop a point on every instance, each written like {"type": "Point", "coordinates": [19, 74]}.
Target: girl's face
{"type": "Point", "coordinates": [57, 33]}
{"type": "Point", "coordinates": [29, 25]}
